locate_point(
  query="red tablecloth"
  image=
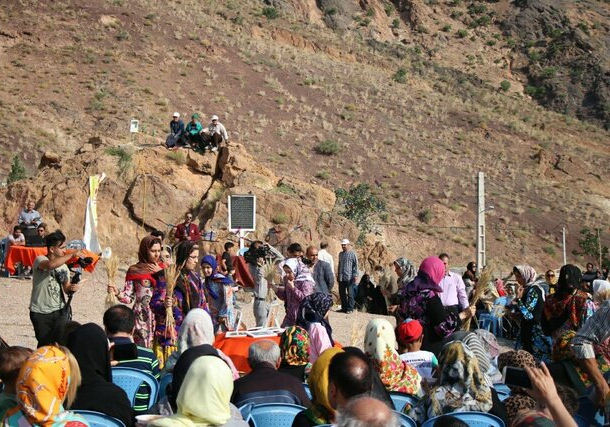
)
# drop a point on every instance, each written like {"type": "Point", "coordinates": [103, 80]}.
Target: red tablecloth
{"type": "Point", "coordinates": [237, 349]}
{"type": "Point", "coordinates": [27, 254]}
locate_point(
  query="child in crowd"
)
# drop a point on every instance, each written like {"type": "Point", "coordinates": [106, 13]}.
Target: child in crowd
{"type": "Point", "coordinates": [410, 335]}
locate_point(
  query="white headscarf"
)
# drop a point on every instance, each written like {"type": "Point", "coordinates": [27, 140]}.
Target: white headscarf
{"type": "Point", "coordinates": [600, 286]}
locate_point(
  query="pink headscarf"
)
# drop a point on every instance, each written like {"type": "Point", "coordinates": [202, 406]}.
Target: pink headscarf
{"type": "Point", "coordinates": [528, 273]}
{"type": "Point", "coordinates": [431, 272]}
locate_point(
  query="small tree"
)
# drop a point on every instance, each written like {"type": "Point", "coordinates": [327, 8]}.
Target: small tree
{"type": "Point", "coordinates": [17, 171]}
{"type": "Point", "coordinates": [590, 246]}
{"type": "Point", "coordinates": [360, 205]}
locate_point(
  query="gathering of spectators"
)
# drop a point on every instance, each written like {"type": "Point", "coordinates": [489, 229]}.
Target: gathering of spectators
{"type": "Point", "coordinates": [194, 135]}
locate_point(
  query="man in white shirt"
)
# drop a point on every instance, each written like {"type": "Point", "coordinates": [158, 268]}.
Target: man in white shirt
{"type": "Point", "coordinates": [16, 238]}
{"type": "Point", "coordinates": [324, 255]}
{"type": "Point", "coordinates": [215, 133]}
{"type": "Point", "coordinates": [453, 297]}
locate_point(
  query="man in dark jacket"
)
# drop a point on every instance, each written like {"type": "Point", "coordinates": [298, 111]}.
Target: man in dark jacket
{"type": "Point", "coordinates": [322, 271]}
{"type": "Point", "coordinates": [176, 136]}
{"type": "Point", "coordinates": [265, 384]}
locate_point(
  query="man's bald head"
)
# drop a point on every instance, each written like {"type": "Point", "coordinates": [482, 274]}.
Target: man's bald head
{"type": "Point", "coordinates": [366, 411]}
{"type": "Point", "coordinates": [264, 351]}
{"type": "Point", "coordinates": [349, 375]}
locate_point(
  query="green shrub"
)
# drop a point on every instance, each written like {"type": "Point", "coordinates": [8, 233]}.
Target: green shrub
{"type": "Point", "coordinates": [446, 28]}
{"type": "Point", "coordinates": [400, 76]}
{"type": "Point", "coordinates": [549, 72]}
{"type": "Point", "coordinates": [331, 11]}
{"type": "Point", "coordinates": [505, 85]}
{"type": "Point", "coordinates": [491, 42]}
{"type": "Point", "coordinates": [270, 12]}
{"type": "Point", "coordinates": [389, 9]}
{"type": "Point", "coordinates": [17, 171]}
{"type": "Point", "coordinates": [360, 205]}
{"type": "Point", "coordinates": [122, 35]}
{"type": "Point", "coordinates": [425, 216]}
{"type": "Point", "coordinates": [124, 158]}
{"type": "Point", "coordinates": [323, 174]}
{"type": "Point", "coordinates": [462, 33]}
{"type": "Point", "coordinates": [177, 156]}
{"type": "Point", "coordinates": [549, 250]}
{"type": "Point", "coordinates": [280, 218]}
{"type": "Point", "coordinates": [395, 23]}
{"type": "Point", "coordinates": [328, 147]}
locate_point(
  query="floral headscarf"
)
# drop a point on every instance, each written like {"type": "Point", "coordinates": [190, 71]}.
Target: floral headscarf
{"type": "Point", "coordinates": [294, 344]}
{"type": "Point", "coordinates": [407, 270]}
{"type": "Point", "coordinates": [528, 273]}
{"type": "Point", "coordinates": [313, 309]}
{"type": "Point", "coordinates": [380, 346]}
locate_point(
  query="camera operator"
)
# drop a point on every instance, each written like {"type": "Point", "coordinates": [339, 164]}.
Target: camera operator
{"type": "Point", "coordinates": [255, 257]}
{"type": "Point", "coordinates": [50, 280]}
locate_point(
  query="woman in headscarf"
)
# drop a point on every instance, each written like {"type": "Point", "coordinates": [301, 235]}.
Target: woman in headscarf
{"type": "Point", "coordinates": [89, 345]}
{"type": "Point", "coordinates": [313, 317]}
{"type": "Point", "coordinates": [294, 347]}
{"type": "Point", "coordinates": [297, 284]}
{"type": "Point", "coordinates": [320, 411]}
{"type": "Point", "coordinates": [420, 300]}
{"type": "Point", "coordinates": [566, 311]}
{"type": "Point", "coordinates": [49, 377]}
{"type": "Point", "coordinates": [529, 303]}
{"type": "Point", "coordinates": [380, 346]}
{"type": "Point", "coordinates": [11, 361]}
{"type": "Point", "coordinates": [189, 293]}
{"type": "Point", "coordinates": [204, 397]}
{"type": "Point", "coordinates": [461, 387]}
{"type": "Point", "coordinates": [219, 295]}
{"type": "Point", "coordinates": [405, 270]}
{"type": "Point", "coordinates": [139, 284]}
{"type": "Point", "coordinates": [470, 277]}
{"type": "Point", "coordinates": [196, 329]}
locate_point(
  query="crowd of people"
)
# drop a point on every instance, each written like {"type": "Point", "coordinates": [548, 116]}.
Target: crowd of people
{"type": "Point", "coordinates": [434, 350]}
{"type": "Point", "coordinates": [194, 135]}
{"type": "Point", "coordinates": [28, 231]}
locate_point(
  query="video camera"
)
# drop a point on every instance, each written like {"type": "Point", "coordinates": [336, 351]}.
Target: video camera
{"type": "Point", "coordinates": [253, 254]}
{"type": "Point", "coordinates": [77, 266]}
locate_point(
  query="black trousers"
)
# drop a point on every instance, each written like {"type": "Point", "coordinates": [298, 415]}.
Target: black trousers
{"type": "Point", "coordinates": [346, 293]}
{"type": "Point", "coordinates": [211, 140]}
{"type": "Point", "coordinates": [48, 328]}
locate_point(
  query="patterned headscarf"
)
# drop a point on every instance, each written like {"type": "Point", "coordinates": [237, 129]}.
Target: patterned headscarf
{"type": "Point", "coordinates": [313, 309]}
{"type": "Point", "coordinates": [380, 346]}
{"type": "Point", "coordinates": [42, 387]}
{"type": "Point", "coordinates": [407, 271]}
{"type": "Point", "coordinates": [294, 344]}
{"type": "Point", "coordinates": [528, 273]}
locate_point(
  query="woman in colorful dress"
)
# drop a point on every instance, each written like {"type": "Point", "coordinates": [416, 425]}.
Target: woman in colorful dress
{"type": "Point", "coordinates": [297, 284]}
{"type": "Point", "coordinates": [189, 293]}
{"type": "Point", "coordinates": [48, 378]}
{"type": "Point", "coordinates": [219, 295]}
{"type": "Point", "coordinates": [529, 304]}
{"type": "Point", "coordinates": [139, 283]}
{"type": "Point", "coordinates": [294, 346]}
{"type": "Point", "coordinates": [380, 346]}
{"type": "Point", "coordinates": [313, 317]}
{"type": "Point", "coordinates": [420, 300]}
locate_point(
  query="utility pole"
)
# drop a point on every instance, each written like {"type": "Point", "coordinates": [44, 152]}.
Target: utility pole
{"type": "Point", "coordinates": [481, 260]}
{"type": "Point", "coordinates": [565, 258]}
{"type": "Point", "coordinates": [599, 248]}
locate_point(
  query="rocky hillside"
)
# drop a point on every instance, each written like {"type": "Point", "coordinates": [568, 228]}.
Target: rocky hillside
{"type": "Point", "coordinates": [412, 97]}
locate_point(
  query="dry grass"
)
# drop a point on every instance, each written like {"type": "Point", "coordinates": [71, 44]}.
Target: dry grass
{"type": "Point", "coordinates": [112, 266]}
{"type": "Point", "coordinates": [171, 277]}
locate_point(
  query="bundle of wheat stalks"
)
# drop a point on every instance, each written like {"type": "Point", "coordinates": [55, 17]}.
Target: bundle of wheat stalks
{"type": "Point", "coordinates": [172, 272]}
{"type": "Point", "coordinates": [270, 273]}
{"type": "Point", "coordinates": [479, 290]}
{"type": "Point", "coordinates": [112, 266]}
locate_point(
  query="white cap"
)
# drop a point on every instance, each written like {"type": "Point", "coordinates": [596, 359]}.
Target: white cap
{"type": "Point", "coordinates": [345, 242]}
{"type": "Point", "coordinates": [214, 117]}
{"type": "Point", "coordinates": [176, 114]}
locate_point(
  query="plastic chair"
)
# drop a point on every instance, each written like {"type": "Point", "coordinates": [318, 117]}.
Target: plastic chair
{"type": "Point", "coordinates": [307, 391]}
{"type": "Point", "coordinates": [97, 419]}
{"type": "Point", "coordinates": [581, 421]}
{"type": "Point", "coordinates": [130, 380]}
{"type": "Point", "coordinates": [165, 381]}
{"type": "Point", "coordinates": [268, 396]}
{"type": "Point", "coordinates": [400, 400]}
{"type": "Point", "coordinates": [273, 414]}
{"type": "Point", "coordinates": [405, 420]}
{"type": "Point", "coordinates": [473, 419]}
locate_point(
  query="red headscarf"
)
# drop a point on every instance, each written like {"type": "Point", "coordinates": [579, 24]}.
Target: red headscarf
{"type": "Point", "coordinates": [145, 265]}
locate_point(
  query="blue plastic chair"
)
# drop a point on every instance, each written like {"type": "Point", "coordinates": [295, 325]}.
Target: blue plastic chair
{"type": "Point", "coordinates": [473, 419]}
{"type": "Point", "coordinates": [307, 391]}
{"type": "Point", "coordinates": [130, 380]}
{"type": "Point", "coordinates": [165, 381]}
{"type": "Point", "coordinates": [97, 419]}
{"type": "Point", "coordinates": [581, 421]}
{"type": "Point", "coordinates": [401, 399]}
{"type": "Point", "coordinates": [405, 420]}
{"type": "Point", "coordinates": [273, 414]}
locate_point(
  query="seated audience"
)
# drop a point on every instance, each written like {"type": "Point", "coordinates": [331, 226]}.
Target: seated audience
{"type": "Point", "coordinates": [176, 133]}
{"type": "Point", "coordinates": [349, 375]}
{"type": "Point", "coordinates": [204, 396]}
{"type": "Point", "coordinates": [366, 411]}
{"type": "Point", "coordinates": [380, 346]}
{"type": "Point", "coordinates": [313, 317]}
{"type": "Point", "coordinates": [378, 390]}
{"type": "Point", "coordinates": [321, 411]}
{"type": "Point", "coordinates": [16, 238]}
{"type": "Point", "coordinates": [42, 230]}
{"type": "Point", "coordinates": [48, 377]}
{"type": "Point", "coordinates": [265, 381]}
{"type": "Point", "coordinates": [119, 323]}
{"type": "Point", "coordinates": [462, 386]}
{"type": "Point", "coordinates": [410, 334]}
{"type": "Point", "coordinates": [196, 329]}
{"type": "Point", "coordinates": [214, 134]}
{"type": "Point", "coordinates": [449, 421]}
{"type": "Point", "coordinates": [519, 399]}
{"type": "Point", "coordinates": [97, 393]}
{"type": "Point", "coordinates": [192, 132]}
{"type": "Point", "coordinates": [294, 347]}
{"type": "Point", "coordinates": [11, 361]}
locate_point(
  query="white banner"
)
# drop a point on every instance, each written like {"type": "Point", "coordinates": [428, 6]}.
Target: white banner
{"type": "Point", "coordinates": [90, 238]}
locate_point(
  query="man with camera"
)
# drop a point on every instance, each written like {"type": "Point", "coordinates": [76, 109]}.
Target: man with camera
{"type": "Point", "coordinates": [51, 279]}
{"type": "Point", "coordinates": [255, 257]}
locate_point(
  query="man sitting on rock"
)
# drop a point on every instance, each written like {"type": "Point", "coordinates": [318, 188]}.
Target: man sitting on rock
{"type": "Point", "coordinates": [193, 132]}
{"type": "Point", "coordinates": [176, 133]}
{"type": "Point", "coordinates": [214, 134]}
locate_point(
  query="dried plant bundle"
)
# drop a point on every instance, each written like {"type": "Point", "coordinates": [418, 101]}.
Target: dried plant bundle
{"type": "Point", "coordinates": [112, 266]}
{"type": "Point", "coordinates": [172, 272]}
{"type": "Point", "coordinates": [357, 334]}
{"type": "Point", "coordinates": [479, 290]}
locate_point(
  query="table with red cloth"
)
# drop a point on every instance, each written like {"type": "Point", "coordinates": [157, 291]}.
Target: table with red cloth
{"type": "Point", "coordinates": [242, 271]}
{"type": "Point", "coordinates": [25, 255]}
{"type": "Point", "coordinates": [237, 348]}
